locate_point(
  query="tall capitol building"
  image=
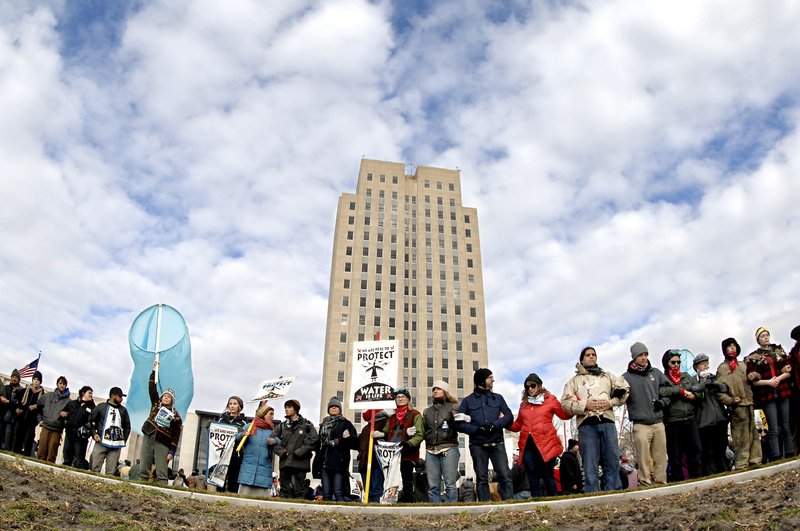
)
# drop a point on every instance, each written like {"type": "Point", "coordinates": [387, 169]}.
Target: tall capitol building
{"type": "Point", "coordinates": [407, 264]}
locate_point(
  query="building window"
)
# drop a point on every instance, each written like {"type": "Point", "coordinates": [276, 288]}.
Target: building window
{"type": "Point", "coordinates": [363, 284]}
{"type": "Point", "coordinates": [430, 381]}
{"type": "Point", "coordinates": [460, 383]}
{"type": "Point", "coordinates": [343, 337]}
{"type": "Point", "coordinates": [345, 301]}
{"type": "Point", "coordinates": [346, 283]}
{"type": "Point", "coordinates": [392, 287]}
{"type": "Point", "coordinates": [342, 356]}
{"type": "Point", "coordinates": [460, 365]}
{"type": "Point", "coordinates": [340, 376]}
{"type": "Point", "coordinates": [475, 366]}
{"type": "Point", "coordinates": [366, 220]}
{"type": "Point", "coordinates": [445, 363]}
{"type": "Point", "coordinates": [473, 312]}
{"type": "Point", "coordinates": [349, 235]}
{"type": "Point", "coordinates": [348, 267]}
{"type": "Point", "coordinates": [427, 183]}
{"type": "Point", "coordinates": [459, 345]}
{"type": "Point", "coordinates": [369, 192]}
{"type": "Point", "coordinates": [471, 295]}
{"type": "Point", "coordinates": [365, 251]}
{"type": "Point", "coordinates": [444, 344]}
{"type": "Point", "coordinates": [377, 303]}
{"type": "Point", "coordinates": [458, 328]}
{"type": "Point", "coordinates": [348, 251]}
{"type": "Point", "coordinates": [344, 319]}
{"type": "Point", "coordinates": [466, 219]}
{"type": "Point", "coordinates": [361, 337]}
{"type": "Point", "coordinates": [430, 363]}
{"type": "Point", "coordinates": [340, 396]}
{"type": "Point", "coordinates": [362, 302]}
{"type": "Point", "coordinates": [366, 235]}
{"type": "Point", "coordinates": [352, 205]}
{"type": "Point", "coordinates": [468, 233]}
{"type": "Point", "coordinates": [469, 262]}
{"type": "Point", "coordinates": [376, 321]}
{"type": "Point", "coordinates": [378, 269]}
{"type": "Point", "coordinates": [451, 187]}
{"type": "Point", "coordinates": [438, 185]}
{"type": "Point", "coordinates": [391, 322]}
{"type": "Point", "coordinates": [369, 176]}
{"type": "Point", "coordinates": [364, 267]}
{"type": "Point", "coordinates": [351, 220]}
{"type": "Point", "coordinates": [430, 325]}
{"type": "Point", "coordinates": [383, 178]}
{"type": "Point", "coordinates": [473, 329]}
{"type": "Point", "coordinates": [475, 348]}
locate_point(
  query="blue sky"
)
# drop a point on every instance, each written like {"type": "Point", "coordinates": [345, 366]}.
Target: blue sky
{"type": "Point", "coordinates": [634, 165]}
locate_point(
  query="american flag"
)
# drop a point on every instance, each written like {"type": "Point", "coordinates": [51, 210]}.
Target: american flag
{"type": "Point", "coordinates": [28, 370]}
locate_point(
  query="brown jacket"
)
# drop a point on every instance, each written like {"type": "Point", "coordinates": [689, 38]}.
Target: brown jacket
{"type": "Point", "coordinates": [738, 386]}
{"type": "Point", "coordinates": [169, 435]}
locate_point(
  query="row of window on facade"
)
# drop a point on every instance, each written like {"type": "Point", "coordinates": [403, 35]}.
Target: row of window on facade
{"type": "Point", "coordinates": [427, 183]}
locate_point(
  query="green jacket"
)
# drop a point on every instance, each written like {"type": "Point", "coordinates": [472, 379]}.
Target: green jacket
{"type": "Point", "coordinates": [680, 408]}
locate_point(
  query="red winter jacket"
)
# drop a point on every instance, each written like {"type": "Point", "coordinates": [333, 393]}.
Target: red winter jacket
{"type": "Point", "coordinates": [537, 420]}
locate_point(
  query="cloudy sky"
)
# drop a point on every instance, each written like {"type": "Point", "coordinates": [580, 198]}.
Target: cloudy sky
{"type": "Point", "coordinates": [635, 166]}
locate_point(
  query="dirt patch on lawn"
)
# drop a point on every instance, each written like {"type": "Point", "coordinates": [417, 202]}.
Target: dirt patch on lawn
{"type": "Point", "coordinates": [34, 498]}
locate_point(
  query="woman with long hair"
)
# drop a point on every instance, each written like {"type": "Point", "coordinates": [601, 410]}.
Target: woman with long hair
{"type": "Point", "coordinates": [233, 416]}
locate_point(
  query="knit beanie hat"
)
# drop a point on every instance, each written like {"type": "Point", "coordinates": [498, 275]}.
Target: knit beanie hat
{"type": "Point", "coordinates": [334, 402]}
{"type": "Point", "coordinates": [795, 333]}
{"type": "Point", "coordinates": [37, 376]}
{"type": "Point", "coordinates": [15, 372]}
{"type": "Point", "coordinates": [444, 386]}
{"type": "Point", "coordinates": [572, 443]}
{"type": "Point", "coordinates": [533, 377]}
{"type": "Point", "coordinates": [730, 341]}
{"type": "Point", "coordinates": [637, 349]}
{"type": "Point", "coordinates": [171, 393]}
{"type": "Point", "coordinates": [479, 378]}
{"type": "Point", "coordinates": [263, 409]}
{"type": "Point", "coordinates": [403, 391]}
{"type": "Point", "coordinates": [760, 330]}
{"type": "Point", "coordinates": [293, 403]}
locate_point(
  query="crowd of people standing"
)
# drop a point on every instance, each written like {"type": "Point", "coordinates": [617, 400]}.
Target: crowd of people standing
{"type": "Point", "coordinates": [680, 429]}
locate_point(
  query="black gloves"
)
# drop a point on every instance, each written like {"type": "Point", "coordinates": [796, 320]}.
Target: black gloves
{"type": "Point", "coordinates": [698, 388]}
{"type": "Point", "coordinates": [487, 429]}
{"type": "Point", "coordinates": [618, 393]}
{"type": "Point", "coordinates": [658, 405]}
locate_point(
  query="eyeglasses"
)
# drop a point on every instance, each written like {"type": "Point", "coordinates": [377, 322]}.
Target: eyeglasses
{"type": "Point", "coordinates": [675, 362]}
{"type": "Point", "coordinates": [531, 386]}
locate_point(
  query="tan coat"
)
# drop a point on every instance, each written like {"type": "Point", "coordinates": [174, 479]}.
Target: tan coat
{"type": "Point", "coordinates": [583, 386]}
{"type": "Point", "coordinates": [737, 383]}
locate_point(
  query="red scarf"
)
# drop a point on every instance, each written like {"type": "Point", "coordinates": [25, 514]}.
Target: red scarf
{"type": "Point", "coordinates": [259, 423]}
{"type": "Point", "coordinates": [674, 374]}
{"type": "Point", "coordinates": [731, 362]}
{"type": "Point", "coordinates": [401, 414]}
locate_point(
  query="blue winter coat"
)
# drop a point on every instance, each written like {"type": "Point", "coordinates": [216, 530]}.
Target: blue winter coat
{"type": "Point", "coordinates": [484, 407]}
{"type": "Point", "coordinates": [256, 469]}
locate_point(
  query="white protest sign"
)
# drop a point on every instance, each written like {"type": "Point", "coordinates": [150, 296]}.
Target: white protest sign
{"type": "Point", "coordinates": [389, 455]}
{"type": "Point", "coordinates": [220, 448]}
{"type": "Point", "coordinates": [373, 374]}
{"type": "Point", "coordinates": [273, 388]}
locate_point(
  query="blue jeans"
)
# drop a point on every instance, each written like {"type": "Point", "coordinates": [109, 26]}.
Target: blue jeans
{"type": "Point", "coordinates": [442, 466]}
{"type": "Point", "coordinates": [777, 413]}
{"type": "Point", "coordinates": [333, 485]}
{"type": "Point", "coordinates": [598, 446]}
{"type": "Point", "coordinates": [481, 455]}
{"type": "Point", "coordinates": [375, 482]}
{"type": "Point", "coordinates": [538, 470]}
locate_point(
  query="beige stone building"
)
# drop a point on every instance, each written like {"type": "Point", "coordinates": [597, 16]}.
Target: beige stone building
{"type": "Point", "coordinates": [407, 264]}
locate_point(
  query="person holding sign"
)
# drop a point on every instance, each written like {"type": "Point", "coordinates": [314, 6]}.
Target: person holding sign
{"type": "Point", "coordinates": [337, 436]}
{"type": "Point", "coordinates": [255, 474]}
{"type": "Point", "coordinates": [160, 432]}
{"type": "Point", "coordinates": [233, 416]}
{"type": "Point", "coordinates": [110, 426]}
{"type": "Point", "coordinates": [407, 427]}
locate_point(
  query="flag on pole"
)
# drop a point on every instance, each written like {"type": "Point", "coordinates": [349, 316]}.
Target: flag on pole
{"type": "Point", "coordinates": [28, 370]}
